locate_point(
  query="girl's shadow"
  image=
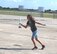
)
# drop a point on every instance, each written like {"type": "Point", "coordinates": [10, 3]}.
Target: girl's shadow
{"type": "Point", "coordinates": [15, 49]}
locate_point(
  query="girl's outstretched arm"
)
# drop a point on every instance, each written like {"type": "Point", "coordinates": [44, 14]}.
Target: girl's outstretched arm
{"type": "Point", "coordinates": [25, 26]}
{"type": "Point", "coordinates": [40, 23]}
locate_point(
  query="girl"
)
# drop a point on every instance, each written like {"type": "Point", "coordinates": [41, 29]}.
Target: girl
{"type": "Point", "coordinates": [31, 22]}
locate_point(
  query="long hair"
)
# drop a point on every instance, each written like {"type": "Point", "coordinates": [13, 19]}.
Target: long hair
{"type": "Point", "coordinates": [30, 17]}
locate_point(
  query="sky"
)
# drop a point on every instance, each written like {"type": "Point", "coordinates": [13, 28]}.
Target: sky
{"type": "Point", "coordinates": [30, 4]}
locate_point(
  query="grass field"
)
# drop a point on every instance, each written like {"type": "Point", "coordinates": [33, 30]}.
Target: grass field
{"type": "Point", "coordinates": [23, 13]}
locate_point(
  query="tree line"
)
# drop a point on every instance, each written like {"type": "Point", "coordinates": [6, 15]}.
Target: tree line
{"type": "Point", "coordinates": [33, 10]}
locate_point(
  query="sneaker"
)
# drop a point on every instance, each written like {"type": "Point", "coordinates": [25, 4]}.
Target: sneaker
{"type": "Point", "coordinates": [43, 46]}
{"type": "Point", "coordinates": [34, 48]}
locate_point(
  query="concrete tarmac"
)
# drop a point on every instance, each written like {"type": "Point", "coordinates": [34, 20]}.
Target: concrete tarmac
{"type": "Point", "coordinates": [14, 40]}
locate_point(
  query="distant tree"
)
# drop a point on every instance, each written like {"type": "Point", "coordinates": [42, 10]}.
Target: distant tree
{"type": "Point", "coordinates": [0, 7]}
{"type": "Point", "coordinates": [56, 11]}
{"type": "Point", "coordinates": [7, 8]}
{"type": "Point", "coordinates": [48, 11]}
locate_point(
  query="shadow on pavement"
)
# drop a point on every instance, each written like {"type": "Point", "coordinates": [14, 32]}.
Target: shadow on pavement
{"type": "Point", "coordinates": [15, 49]}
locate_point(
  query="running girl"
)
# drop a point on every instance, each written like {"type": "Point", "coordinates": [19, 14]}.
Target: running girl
{"type": "Point", "coordinates": [31, 22]}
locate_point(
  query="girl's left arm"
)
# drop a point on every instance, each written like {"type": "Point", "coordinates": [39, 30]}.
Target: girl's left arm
{"type": "Point", "coordinates": [40, 23]}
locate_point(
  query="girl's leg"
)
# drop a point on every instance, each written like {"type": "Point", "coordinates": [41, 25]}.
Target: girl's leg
{"type": "Point", "coordinates": [35, 47]}
{"type": "Point", "coordinates": [33, 36]}
{"type": "Point", "coordinates": [38, 41]}
{"type": "Point", "coordinates": [33, 42]}
{"type": "Point", "coordinates": [43, 46]}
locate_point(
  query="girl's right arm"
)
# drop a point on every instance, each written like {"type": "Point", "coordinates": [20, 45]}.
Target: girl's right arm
{"type": "Point", "coordinates": [25, 26]}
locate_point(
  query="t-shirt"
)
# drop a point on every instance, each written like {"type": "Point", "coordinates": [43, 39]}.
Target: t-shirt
{"type": "Point", "coordinates": [32, 25]}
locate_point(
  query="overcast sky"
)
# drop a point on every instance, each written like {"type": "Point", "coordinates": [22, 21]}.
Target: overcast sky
{"type": "Point", "coordinates": [33, 4]}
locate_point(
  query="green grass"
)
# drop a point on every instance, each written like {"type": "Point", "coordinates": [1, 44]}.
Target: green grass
{"type": "Point", "coordinates": [23, 13]}
{"type": "Point", "coordinates": [20, 13]}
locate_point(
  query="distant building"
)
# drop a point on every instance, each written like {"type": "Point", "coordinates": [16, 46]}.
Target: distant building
{"type": "Point", "coordinates": [21, 7]}
{"type": "Point", "coordinates": [40, 9]}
